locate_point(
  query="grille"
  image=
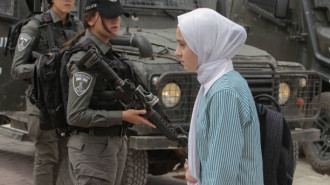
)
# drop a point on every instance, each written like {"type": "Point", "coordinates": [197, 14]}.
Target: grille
{"type": "Point", "coordinates": [189, 86]}
{"type": "Point", "coordinates": [268, 5]}
{"type": "Point", "coordinates": [262, 79]}
{"type": "Point", "coordinates": [260, 76]}
{"type": "Point", "coordinates": [303, 103]}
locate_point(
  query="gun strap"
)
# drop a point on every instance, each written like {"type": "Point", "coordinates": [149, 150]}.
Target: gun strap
{"type": "Point", "coordinates": [46, 18]}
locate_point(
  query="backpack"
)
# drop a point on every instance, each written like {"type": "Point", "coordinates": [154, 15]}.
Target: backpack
{"type": "Point", "coordinates": [50, 88]}
{"type": "Point", "coordinates": [15, 30]}
{"type": "Point", "coordinates": [276, 144]}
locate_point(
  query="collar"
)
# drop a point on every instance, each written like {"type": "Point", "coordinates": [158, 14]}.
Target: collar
{"type": "Point", "coordinates": [56, 18]}
{"type": "Point", "coordinates": [99, 43]}
{"type": "Point", "coordinates": [209, 84]}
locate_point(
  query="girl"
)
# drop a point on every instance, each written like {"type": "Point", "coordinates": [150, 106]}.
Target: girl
{"type": "Point", "coordinates": [224, 137]}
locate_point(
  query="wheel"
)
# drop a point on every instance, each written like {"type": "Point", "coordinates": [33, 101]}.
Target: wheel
{"type": "Point", "coordinates": [136, 168]}
{"type": "Point", "coordinates": [318, 152]}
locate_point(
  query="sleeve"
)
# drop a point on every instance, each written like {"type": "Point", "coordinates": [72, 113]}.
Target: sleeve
{"type": "Point", "coordinates": [81, 87]}
{"type": "Point", "coordinates": [225, 140]}
{"type": "Point", "coordinates": [22, 67]}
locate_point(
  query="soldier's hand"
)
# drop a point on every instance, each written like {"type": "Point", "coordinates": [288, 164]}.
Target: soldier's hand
{"type": "Point", "coordinates": [134, 116]}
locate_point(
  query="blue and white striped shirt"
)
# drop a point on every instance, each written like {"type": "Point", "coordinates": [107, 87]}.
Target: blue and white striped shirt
{"type": "Point", "coordinates": [228, 134]}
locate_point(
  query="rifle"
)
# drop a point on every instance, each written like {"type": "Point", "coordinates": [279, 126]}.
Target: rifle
{"type": "Point", "coordinates": [134, 97]}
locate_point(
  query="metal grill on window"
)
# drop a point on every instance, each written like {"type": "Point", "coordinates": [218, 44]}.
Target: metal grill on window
{"type": "Point", "coordinates": [164, 4]}
{"type": "Point", "coordinates": [268, 5]}
{"type": "Point", "coordinates": [7, 7]}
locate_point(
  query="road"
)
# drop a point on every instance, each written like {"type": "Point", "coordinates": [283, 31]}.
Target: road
{"type": "Point", "coordinates": [16, 162]}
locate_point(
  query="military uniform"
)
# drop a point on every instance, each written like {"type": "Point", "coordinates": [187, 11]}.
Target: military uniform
{"type": "Point", "coordinates": [97, 148]}
{"type": "Point", "coordinates": [34, 37]}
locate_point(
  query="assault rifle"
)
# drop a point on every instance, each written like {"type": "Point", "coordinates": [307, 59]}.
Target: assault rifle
{"type": "Point", "coordinates": [134, 97]}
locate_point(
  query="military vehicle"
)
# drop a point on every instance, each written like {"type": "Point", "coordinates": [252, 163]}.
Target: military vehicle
{"type": "Point", "coordinates": [147, 37]}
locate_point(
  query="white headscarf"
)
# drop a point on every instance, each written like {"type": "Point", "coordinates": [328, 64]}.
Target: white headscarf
{"type": "Point", "coordinates": [215, 40]}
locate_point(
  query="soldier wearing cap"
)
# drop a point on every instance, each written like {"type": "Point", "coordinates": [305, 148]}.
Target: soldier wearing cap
{"type": "Point", "coordinates": [97, 148]}
{"type": "Point", "coordinates": [34, 37]}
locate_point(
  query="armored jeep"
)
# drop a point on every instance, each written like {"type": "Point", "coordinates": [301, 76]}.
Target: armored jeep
{"type": "Point", "coordinates": [147, 37]}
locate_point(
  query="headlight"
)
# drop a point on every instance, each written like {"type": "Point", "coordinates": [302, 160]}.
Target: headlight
{"type": "Point", "coordinates": [154, 80]}
{"type": "Point", "coordinates": [171, 95]}
{"type": "Point", "coordinates": [302, 82]}
{"type": "Point", "coordinates": [284, 93]}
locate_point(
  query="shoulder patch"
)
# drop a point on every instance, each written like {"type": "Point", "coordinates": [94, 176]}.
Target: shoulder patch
{"type": "Point", "coordinates": [81, 82]}
{"type": "Point", "coordinates": [23, 41]}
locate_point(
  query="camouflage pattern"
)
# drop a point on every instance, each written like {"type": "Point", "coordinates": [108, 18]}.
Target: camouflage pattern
{"type": "Point", "coordinates": [34, 38]}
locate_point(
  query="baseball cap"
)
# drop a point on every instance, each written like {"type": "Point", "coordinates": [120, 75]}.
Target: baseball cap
{"type": "Point", "coordinates": [107, 8]}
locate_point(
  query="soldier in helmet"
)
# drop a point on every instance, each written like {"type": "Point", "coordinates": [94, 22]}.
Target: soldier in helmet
{"type": "Point", "coordinates": [35, 37]}
{"type": "Point", "coordinates": [97, 148]}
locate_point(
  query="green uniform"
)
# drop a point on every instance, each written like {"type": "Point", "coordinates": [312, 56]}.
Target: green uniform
{"type": "Point", "coordinates": [97, 149]}
{"type": "Point", "coordinates": [33, 37]}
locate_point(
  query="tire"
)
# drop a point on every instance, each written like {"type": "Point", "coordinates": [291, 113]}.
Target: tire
{"type": "Point", "coordinates": [318, 152]}
{"type": "Point", "coordinates": [136, 168]}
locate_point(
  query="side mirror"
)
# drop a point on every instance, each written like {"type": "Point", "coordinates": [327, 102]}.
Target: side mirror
{"type": "Point", "coordinates": [281, 8]}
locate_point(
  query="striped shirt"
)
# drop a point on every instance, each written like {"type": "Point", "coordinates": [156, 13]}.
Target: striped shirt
{"type": "Point", "coordinates": [228, 134]}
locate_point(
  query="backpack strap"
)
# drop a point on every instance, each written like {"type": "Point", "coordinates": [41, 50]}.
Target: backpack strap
{"type": "Point", "coordinates": [46, 18]}
{"type": "Point", "coordinates": [51, 37]}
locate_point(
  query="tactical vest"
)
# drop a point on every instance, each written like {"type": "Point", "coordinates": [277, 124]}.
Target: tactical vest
{"type": "Point", "coordinates": [51, 37]}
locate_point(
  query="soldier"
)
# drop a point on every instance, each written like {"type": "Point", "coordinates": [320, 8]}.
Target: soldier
{"type": "Point", "coordinates": [97, 148]}
{"type": "Point", "coordinates": [37, 36]}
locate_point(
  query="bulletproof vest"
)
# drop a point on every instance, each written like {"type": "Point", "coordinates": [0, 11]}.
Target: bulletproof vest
{"type": "Point", "coordinates": [104, 91]}
{"type": "Point", "coordinates": [52, 36]}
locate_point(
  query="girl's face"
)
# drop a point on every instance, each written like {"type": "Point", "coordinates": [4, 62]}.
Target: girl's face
{"type": "Point", "coordinates": [188, 58]}
{"type": "Point", "coordinates": [109, 28]}
{"type": "Point", "coordinates": [63, 6]}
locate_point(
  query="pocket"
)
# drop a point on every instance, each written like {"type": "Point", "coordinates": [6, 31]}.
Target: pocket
{"type": "Point", "coordinates": [75, 144]}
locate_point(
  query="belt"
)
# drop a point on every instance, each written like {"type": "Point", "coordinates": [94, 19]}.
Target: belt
{"type": "Point", "coordinates": [103, 131]}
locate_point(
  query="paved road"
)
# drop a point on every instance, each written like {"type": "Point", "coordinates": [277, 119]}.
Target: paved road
{"type": "Point", "coordinates": [16, 161]}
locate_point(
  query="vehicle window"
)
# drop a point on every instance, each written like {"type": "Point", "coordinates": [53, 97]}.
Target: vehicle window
{"type": "Point", "coordinates": [7, 7]}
